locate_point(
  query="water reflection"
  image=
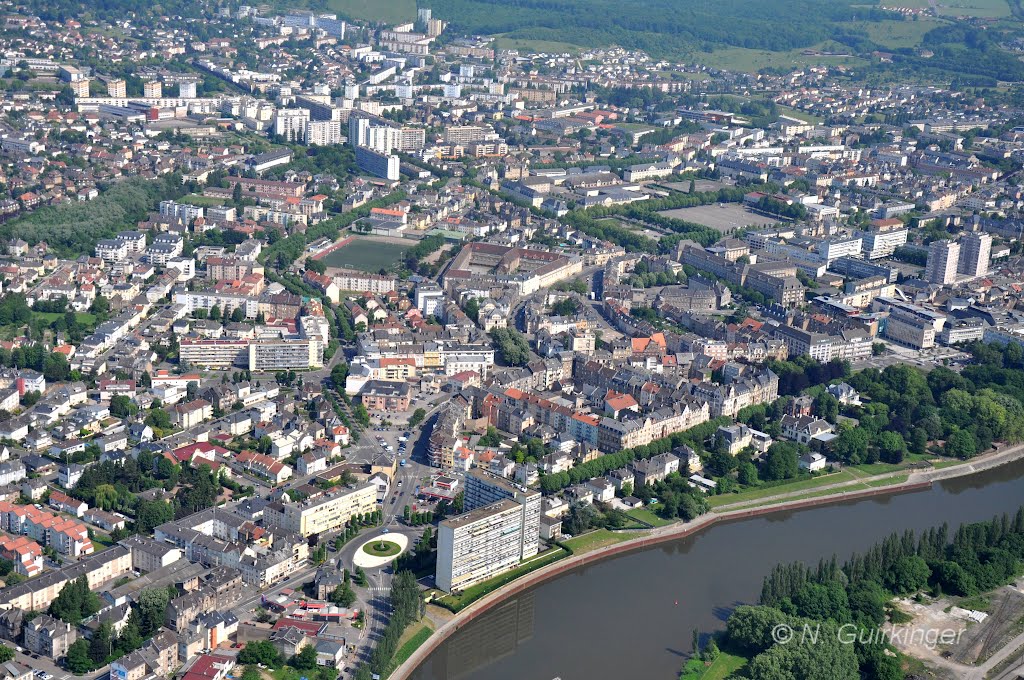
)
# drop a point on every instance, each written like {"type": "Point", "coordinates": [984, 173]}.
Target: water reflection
{"type": "Point", "coordinates": [491, 637]}
{"type": "Point", "coordinates": [632, 615]}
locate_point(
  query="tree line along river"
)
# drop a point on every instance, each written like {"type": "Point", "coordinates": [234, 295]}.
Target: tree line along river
{"type": "Point", "coordinates": [632, 616]}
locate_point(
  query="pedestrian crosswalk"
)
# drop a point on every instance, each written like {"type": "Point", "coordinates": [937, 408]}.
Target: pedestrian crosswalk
{"type": "Point", "coordinates": [380, 591]}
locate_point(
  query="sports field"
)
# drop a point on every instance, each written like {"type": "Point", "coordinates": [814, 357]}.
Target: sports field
{"type": "Point", "coordinates": [366, 254]}
{"type": "Point", "coordinates": [725, 218]}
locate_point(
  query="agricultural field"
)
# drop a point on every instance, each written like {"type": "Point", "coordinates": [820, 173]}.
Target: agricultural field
{"type": "Point", "coordinates": [535, 46]}
{"type": "Point", "coordinates": [366, 254]}
{"type": "Point", "coordinates": [388, 11]}
{"type": "Point", "coordinates": [752, 61]}
{"type": "Point", "coordinates": [897, 34]}
{"type": "Point", "coordinates": [986, 9]}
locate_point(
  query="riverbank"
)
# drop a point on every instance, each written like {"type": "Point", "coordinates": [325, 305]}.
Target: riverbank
{"type": "Point", "coordinates": [915, 481]}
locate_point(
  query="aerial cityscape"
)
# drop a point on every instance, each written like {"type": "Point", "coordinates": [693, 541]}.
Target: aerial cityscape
{"type": "Point", "coordinates": [438, 339]}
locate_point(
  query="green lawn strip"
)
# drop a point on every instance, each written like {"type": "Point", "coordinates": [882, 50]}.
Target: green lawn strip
{"type": "Point", "coordinates": [725, 666]}
{"type": "Point", "coordinates": [648, 516]}
{"type": "Point", "coordinates": [941, 464]}
{"type": "Point", "coordinates": [800, 115]}
{"type": "Point", "coordinates": [456, 603]}
{"type": "Point", "coordinates": [635, 127]}
{"type": "Point", "coordinates": [366, 254]}
{"type": "Point", "coordinates": [888, 481]}
{"type": "Point", "coordinates": [101, 541]}
{"type": "Point", "coordinates": [593, 540]}
{"type": "Point", "coordinates": [798, 497]}
{"type": "Point", "coordinates": [766, 491]}
{"type": "Point", "coordinates": [869, 484]}
{"type": "Point", "coordinates": [412, 639]}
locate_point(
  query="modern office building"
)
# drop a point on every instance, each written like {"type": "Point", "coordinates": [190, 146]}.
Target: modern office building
{"type": "Point", "coordinates": [324, 513]}
{"type": "Point", "coordinates": [943, 259]}
{"type": "Point", "coordinates": [975, 254]}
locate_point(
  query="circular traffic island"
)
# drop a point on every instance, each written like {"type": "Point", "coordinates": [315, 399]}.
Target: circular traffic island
{"type": "Point", "coordinates": [381, 548]}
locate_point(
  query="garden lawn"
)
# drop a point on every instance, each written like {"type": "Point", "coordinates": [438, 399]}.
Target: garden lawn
{"type": "Point", "coordinates": [599, 538]}
{"type": "Point", "coordinates": [765, 492]}
{"type": "Point", "coordinates": [647, 515]}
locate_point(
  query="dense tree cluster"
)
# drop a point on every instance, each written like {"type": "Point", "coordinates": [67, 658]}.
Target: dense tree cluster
{"type": "Point", "coordinates": [145, 619]}
{"type": "Point", "coordinates": [967, 411]}
{"type": "Point", "coordinates": [73, 229]}
{"type": "Point", "coordinates": [75, 602]}
{"type": "Point", "coordinates": [413, 256]}
{"type": "Point", "coordinates": [661, 27]}
{"type": "Point", "coordinates": [801, 372]}
{"type": "Point", "coordinates": [260, 652]}
{"type": "Point", "coordinates": [113, 486]}
{"type": "Point", "coordinates": [978, 558]}
{"type": "Point", "coordinates": [512, 347]}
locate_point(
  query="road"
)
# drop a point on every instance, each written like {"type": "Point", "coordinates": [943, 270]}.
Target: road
{"type": "Point", "coordinates": [926, 360]}
{"type": "Point", "coordinates": [416, 471]}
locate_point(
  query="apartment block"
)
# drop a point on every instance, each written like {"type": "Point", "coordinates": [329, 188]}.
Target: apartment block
{"type": "Point", "coordinates": [38, 593]}
{"type": "Point", "coordinates": [283, 355]}
{"type": "Point", "coordinates": [49, 637]}
{"type": "Point", "coordinates": [324, 513]}
{"type": "Point", "coordinates": [943, 259]}
{"type": "Point", "coordinates": [63, 534]}
{"type": "Point", "coordinates": [975, 254]}
{"type": "Point", "coordinates": [480, 544]}
{"type": "Point", "coordinates": [500, 528]}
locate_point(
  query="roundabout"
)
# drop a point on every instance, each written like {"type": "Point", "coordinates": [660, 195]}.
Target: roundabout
{"type": "Point", "coordinates": [380, 550]}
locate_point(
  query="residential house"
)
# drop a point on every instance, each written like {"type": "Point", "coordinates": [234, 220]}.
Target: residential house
{"type": "Point", "coordinates": [804, 429]}
{"type": "Point", "coordinates": [62, 502]}
{"type": "Point", "coordinates": [191, 414]}
{"type": "Point", "coordinates": [655, 469]}
{"type": "Point", "coordinates": [49, 637]}
{"type": "Point", "coordinates": [845, 394]}
{"type": "Point", "coordinates": [813, 462]}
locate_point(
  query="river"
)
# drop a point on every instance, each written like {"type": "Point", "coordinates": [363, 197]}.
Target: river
{"type": "Point", "coordinates": [631, 617]}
